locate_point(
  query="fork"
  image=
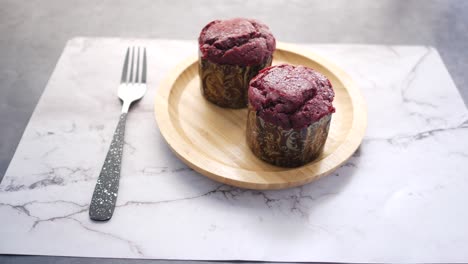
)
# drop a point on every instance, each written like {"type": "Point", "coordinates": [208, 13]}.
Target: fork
{"type": "Point", "coordinates": [132, 88]}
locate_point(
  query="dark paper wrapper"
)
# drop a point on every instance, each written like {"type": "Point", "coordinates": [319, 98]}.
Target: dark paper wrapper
{"type": "Point", "coordinates": [227, 85]}
{"type": "Point", "coordinates": [286, 147]}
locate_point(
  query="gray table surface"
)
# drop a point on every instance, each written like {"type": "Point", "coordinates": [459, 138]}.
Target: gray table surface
{"type": "Point", "coordinates": [33, 34]}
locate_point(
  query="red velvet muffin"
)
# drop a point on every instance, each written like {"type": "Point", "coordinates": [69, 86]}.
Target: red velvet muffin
{"type": "Point", "coordinates": [231, 53]}
{"type": "Point", "coordinates": [289, 114]}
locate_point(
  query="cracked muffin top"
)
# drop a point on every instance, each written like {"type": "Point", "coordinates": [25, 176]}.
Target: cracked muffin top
{"type": "Point", "coordinates": [236, 41]}
{"type": "Point", "coordinates": [291, 96]}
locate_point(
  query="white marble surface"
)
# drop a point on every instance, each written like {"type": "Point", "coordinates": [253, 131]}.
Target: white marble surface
{"type": "Point", "coordinates": [401, 198]}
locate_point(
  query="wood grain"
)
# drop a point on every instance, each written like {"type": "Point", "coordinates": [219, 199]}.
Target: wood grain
{"type": "Point", "coordinates": [211, 139]}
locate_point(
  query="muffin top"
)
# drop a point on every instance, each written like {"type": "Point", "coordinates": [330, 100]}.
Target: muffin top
{"type": "Point", "coordinates": [237, 41]}
{"type": "Point", "coordinates": [291, 96]}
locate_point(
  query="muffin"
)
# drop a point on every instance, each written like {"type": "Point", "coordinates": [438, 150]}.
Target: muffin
{"type": "Point", "coordinates": [289, 114]}
{"type": "Point", "coordinates": [231, 53]}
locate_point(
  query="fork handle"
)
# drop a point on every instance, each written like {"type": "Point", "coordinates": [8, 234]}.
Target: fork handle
{"type": "Point", "coordinates": [107, 186]}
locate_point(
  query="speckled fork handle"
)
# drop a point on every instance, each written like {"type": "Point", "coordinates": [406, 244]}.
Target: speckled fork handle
{"type": "Point", "coordinates": [107, 186]}
{"type": "Point", "coordinates": [132, 88]}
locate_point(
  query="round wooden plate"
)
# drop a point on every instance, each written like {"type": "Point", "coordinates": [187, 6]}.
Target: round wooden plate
{"type": "Point", "coordinates": [211, 139]}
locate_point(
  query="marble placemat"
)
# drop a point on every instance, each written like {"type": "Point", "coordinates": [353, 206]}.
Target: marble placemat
{"type": "Point", "coordinates": [401, 197]}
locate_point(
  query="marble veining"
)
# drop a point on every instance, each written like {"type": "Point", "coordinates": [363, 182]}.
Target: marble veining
{"type": "Point", "coordinates": [402, 191]}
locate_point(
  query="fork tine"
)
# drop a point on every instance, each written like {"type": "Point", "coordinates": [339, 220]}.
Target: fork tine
{"type": "Point", "coordinates": [131, 80]}
{"type": "Point", "coordinates": [125, 67]}
{"type": "Point", "coordinates": [137, 75]}
{"type": "Point", "coordinates": [143, 70]}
